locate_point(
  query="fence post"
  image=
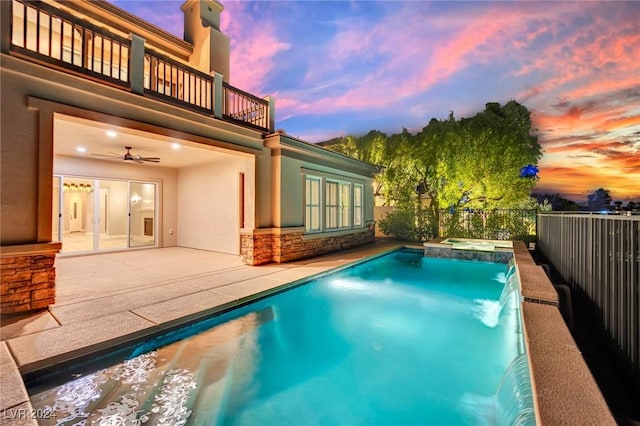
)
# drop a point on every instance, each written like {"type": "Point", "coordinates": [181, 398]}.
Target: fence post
{"type": "Point", "coordinates": [218, 106]}
{"type": "Point", "coordinates": [271, 113]}
{"type": "Point", "coordinates": [136, 70]}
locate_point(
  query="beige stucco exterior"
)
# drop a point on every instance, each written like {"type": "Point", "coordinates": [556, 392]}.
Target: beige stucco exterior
{"type": "Point", "coordinates": [236, 187]}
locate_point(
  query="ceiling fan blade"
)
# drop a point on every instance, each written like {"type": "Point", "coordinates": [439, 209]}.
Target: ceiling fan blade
{"type": "Point", "coordinates": [107, 156]}
{"type": "Point", "coordinates": [129, 157]}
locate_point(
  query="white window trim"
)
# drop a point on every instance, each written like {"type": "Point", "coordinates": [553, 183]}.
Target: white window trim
{"type": "Point", "coordinates": [336, 206]}
{"type": "Point", "coordinates": [324, 179]}
{"type": "Point", "coordinates": [341, 207]}
{"type": "Point", "coordinates": [319, 206]}
{"type": "Point", "coordinates": [361, 206]}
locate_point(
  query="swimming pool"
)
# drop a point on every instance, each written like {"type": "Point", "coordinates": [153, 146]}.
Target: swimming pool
{"type": "Point", "coordinates": [402, 339]}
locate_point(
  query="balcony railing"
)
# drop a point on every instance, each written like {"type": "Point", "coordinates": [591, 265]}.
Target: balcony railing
{"type": "Point", "coordinates": [244, 107]}
{"type": "Point", "coordinates": [44, 33]}
{"type": "Point", "coordinates": [55, 38]}
{"type": "Point", "coordinates": [175, 83]}
{"type": "Point", "coordinates": [599, 255]}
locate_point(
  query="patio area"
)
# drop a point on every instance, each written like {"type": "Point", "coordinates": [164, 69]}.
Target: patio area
{"type": "Point", "coordinates": [106, 296]}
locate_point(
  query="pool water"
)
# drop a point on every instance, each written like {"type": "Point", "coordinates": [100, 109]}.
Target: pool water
{"type": "Point", "coordinates": [399, 340]}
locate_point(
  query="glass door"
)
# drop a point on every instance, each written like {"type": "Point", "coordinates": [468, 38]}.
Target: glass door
{"type": "Point", "coordinates": [112, 226]}
{"type": "Point", "coordinates": [77, 230]}
{"type": "Point", "coordinates": [57, 214]}
{"type": "Point", "coordinates": [99, 214]}
{"type": "Point", "coordinates": [142, 214]}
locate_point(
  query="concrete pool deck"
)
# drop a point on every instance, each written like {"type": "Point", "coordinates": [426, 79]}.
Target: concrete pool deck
{"type": "Point", "coordinates": [110, 299]}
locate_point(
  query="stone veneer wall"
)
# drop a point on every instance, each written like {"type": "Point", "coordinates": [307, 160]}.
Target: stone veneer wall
{"type": "Point", "coordinates": [282, 247]}
{"type": "Point", "coordinates": [28, 277]}
{"type": "Point", "coordinates": [256, 249]}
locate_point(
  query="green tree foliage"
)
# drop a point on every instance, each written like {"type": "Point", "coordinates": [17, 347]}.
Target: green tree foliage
{"type": "Point", "coordinates": [482, 157]}
{"type": "Point", "coordinates": [461, 163]}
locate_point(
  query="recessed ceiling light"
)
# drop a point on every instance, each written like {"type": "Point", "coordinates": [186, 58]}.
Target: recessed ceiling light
{"type": "Point", "coordinates": [112, 133]}
{"type": "Point", "coordinates": [175, 145]}
{"type": "Point", "coordinates": [81, 149]}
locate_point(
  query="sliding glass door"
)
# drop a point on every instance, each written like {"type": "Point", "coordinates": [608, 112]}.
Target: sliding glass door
{"type": "Point", "coordinates": [97, 214]}
{"type": "Point", "coordinates": [111, 214]}
{"type": "Point", "coordinates": [142, 215]}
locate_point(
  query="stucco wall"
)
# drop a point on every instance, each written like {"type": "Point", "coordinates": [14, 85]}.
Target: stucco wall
{"type": "Point", "coordinates": [18, 164]}
{"type": "Point", "coordinates": [165, 178]}
{"type": "Point", "coordinates": [22, 138]}
{"type": "Point", "coordinates": [209, 207]}
{"type": "Point", "coordinates": [289, 208]}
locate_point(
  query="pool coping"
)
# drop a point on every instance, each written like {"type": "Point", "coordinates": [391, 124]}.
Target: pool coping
{"type": "Point", "coordinates": [550, 347]}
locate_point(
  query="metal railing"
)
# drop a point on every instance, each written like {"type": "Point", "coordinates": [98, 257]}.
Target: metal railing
{"type": "Point", "coordinates": [53, 37]}
{"type": "Point", "coordinates": [497, 224]}
{"type": "Point", "coordinates": [175, 82]}
{"type": "Point", "coordinates": [244, 107]}
{"type": "Point", "coordinates": [600, 255]}
{"type": "Point", "coordinates": [46, 34]}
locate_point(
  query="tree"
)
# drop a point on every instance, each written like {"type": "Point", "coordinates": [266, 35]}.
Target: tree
{"type": "Point", "coordinates": [468, 163]}
{"type": "Point", "coordinates": [600, 199]}
{"type": "Point", "coordinates": [558, 202]}
{"type": "Point", "coordinates": [482, 158]}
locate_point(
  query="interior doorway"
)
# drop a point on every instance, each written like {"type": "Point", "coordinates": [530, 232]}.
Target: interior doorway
{"type": "Point", "coordinates": [91, 215]}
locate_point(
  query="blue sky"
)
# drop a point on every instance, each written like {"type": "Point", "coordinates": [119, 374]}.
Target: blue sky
{"type": "Point", "coordinates": [346, 67]}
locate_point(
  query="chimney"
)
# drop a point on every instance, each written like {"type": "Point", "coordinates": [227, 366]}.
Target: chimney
{"type": "Point", "coordinates": [211, 50]}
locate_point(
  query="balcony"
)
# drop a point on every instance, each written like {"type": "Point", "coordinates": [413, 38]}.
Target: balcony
{"type": "Point", "coordinates": [54, 38]}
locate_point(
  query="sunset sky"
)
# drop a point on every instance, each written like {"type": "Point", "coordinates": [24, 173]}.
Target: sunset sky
{"type": "Point", "coordinates": [346, 67]}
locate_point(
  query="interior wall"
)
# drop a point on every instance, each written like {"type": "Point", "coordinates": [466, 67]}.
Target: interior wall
{"type": "Point", "coordinates": [165, 179]}
{"type": "Point", "coordinates": [209, 205]}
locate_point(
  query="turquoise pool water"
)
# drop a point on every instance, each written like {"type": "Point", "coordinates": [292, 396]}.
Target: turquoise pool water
{"type": "Point", "coordinates": [399, 340]}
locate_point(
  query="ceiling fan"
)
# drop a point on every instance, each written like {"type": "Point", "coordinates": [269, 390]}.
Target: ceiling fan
{"type": "Point", "coordinates": [130, 157]}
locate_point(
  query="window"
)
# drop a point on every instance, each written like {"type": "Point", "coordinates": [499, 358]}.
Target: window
{"type": "Point", "coordinates": [312, 204]}
{"type": "Point", "coordinates": [331, 208]}
{"type": "Point", "coordinates": [345, 205]}
{"type": "Point", "coordinates": [332, 204]}
{"type": "Point", "coordinates": [337, 205]}
{"type": "Point", "coordinates": [357, 205]}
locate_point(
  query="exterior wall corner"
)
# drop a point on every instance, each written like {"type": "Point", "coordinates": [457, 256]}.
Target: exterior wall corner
{"type": "Point", "coordinates": [28, 277]}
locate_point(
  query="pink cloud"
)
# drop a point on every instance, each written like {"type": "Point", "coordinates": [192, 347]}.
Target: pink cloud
{"type": "Point", "coordinates": [429, 50]}
{"type": "Point", "coordinates": [254, 45]}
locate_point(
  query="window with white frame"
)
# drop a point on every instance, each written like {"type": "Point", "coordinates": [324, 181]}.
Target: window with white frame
{"type": "Point", "coordinates": [332, 197]}
{"type": "Point", "coordinates": [358, 191]}
{"type": "Point", "coordinates": [345, 205]}
{"type": "Point", "coordinates": [312, 204]}
{"type": "Point", "coordinates": [332, 205]}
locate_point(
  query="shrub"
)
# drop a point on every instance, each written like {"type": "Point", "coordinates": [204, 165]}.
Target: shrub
{"type": "Point", "coordinates": [408, 224]}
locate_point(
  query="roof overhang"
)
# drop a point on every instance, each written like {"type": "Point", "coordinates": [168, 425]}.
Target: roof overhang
{"type": "Point", "coordinates": [283, 144]}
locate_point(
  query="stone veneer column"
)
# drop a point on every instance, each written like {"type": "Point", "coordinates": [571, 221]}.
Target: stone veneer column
{"type": "Point", "coordinates": [27, 277]}
{"type": "Point", "coordinates": [256, 247]}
